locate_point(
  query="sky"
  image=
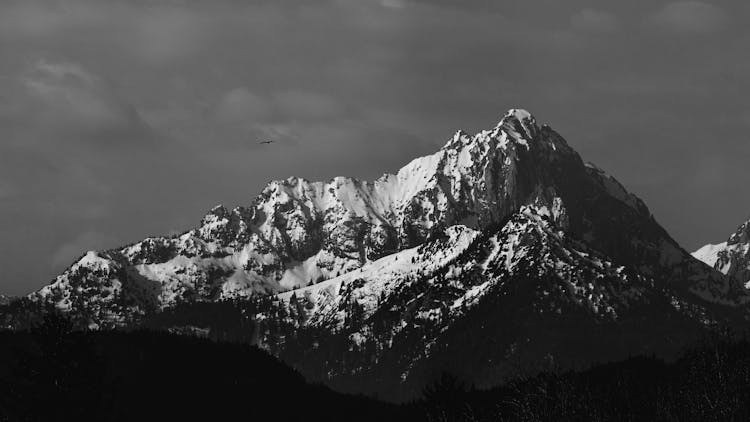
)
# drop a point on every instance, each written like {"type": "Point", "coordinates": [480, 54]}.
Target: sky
{"type": "Point", "coordinates": [125, 119]}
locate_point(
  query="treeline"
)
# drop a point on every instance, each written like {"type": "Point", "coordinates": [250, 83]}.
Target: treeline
{"type": "Point", "coordinates": [708, 382]}
{"type": "Point", "coordinates": [55, 373]}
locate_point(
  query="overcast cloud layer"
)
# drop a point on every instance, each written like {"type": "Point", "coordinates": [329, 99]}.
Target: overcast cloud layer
{"type": "Point", "coordinates": [122, 119]}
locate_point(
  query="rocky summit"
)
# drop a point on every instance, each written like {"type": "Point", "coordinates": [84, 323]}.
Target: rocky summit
{"type": "Point", "coordinates": [731, 257]}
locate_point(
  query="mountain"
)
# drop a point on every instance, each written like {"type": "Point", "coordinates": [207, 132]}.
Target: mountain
{"type": "Point", "coordinates": [501, 251]}
{"type": "Point", "coordinates": [731, 257]}
{"type": "Point", "coordinates": [297, 232]}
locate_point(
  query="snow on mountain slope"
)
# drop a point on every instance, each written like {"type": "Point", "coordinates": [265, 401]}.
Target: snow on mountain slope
{"type": "Point", "coordinates": [731, 257]}
{"type": "Point", "coordinates": [392, 317]}
{"type": "Point", "coordinates": [710, 254]}
{"type": "Point", "coordinates": [297, 233]}
{"type": "Point", "coordinates": [527, 237]}
{"type": "Point", "coordinates": [377, 279]}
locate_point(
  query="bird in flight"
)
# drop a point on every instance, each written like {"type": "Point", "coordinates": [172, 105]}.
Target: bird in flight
{"type": "Point", "coordinates": [265, 142]}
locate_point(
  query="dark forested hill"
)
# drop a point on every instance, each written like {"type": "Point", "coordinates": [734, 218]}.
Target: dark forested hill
{"type": "Point", "coordinates": [709, 382]}
{"type": "Point", "coordinates": [51, 374]}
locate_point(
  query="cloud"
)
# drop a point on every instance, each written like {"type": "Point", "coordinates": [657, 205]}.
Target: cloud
{"type": "Point", "coordinates": [37, 19]}
{"type": "Point", "coordinates": [744, 118]}
{"type": "Point", "coordinates": [240, 115]}
{"type": "Point", "coordinates": [594, 21]}
{"type": "Point", "coordinates": [393, 4]}
{"type": "Point", "coordinates": [6, 190]}
{"type": "Point", "coordinates": [277, 132]}
{"type": "Point", "coordinates": [167, 33]}
{"type": "Point", "coordinates": [239, 104]}
{"type": "Point", "coordinates": [690, 17]}
{"type": "Point", "coordinates": [60, 71]}
{"type": "Point", "coordinates": [157, 32]}
{"type": "Point", "coordinates": [710, 173]}
{"type": "Point", "coordinates": [306, 105]}
{"type": "Point", "coordinates": [65, 94]}
{"type": "Point", "coordinates": [242, 105]}
{"type": "Point", "coordinates": [73, 248]}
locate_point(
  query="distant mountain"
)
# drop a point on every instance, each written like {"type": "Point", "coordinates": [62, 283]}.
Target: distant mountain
{"type": "Point", "coordinates": [501, 250]}
{"type": "Point", "coordinates": [731, 257]}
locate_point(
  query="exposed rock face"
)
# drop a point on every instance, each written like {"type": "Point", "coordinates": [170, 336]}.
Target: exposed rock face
{"type": "Point", "coordinates": [731, 257]}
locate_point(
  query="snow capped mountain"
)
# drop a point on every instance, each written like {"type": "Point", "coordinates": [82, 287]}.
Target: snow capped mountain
{"type": "Point", "coordinates": [561, 250]}
{"type": "Point", "coordinates": [503, 246]}
{"type": "Point", "coordinates": [731, 257]}
{"type": "Point", "coordinates": [297, 233]}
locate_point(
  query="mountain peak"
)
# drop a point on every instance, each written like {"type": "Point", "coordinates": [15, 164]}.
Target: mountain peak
{"type": "Point", "coordinates": [519, 114]}
{"type": "Point", "coordinates": [519, 121]}
{"type": "Point", "coordinates": [517, 126]}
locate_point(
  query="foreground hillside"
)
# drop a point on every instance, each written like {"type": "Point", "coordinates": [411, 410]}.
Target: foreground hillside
{"type": "Point", "coordinates": [709, 382]}
{"type": "Point", "coordinates": [52, 374]}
